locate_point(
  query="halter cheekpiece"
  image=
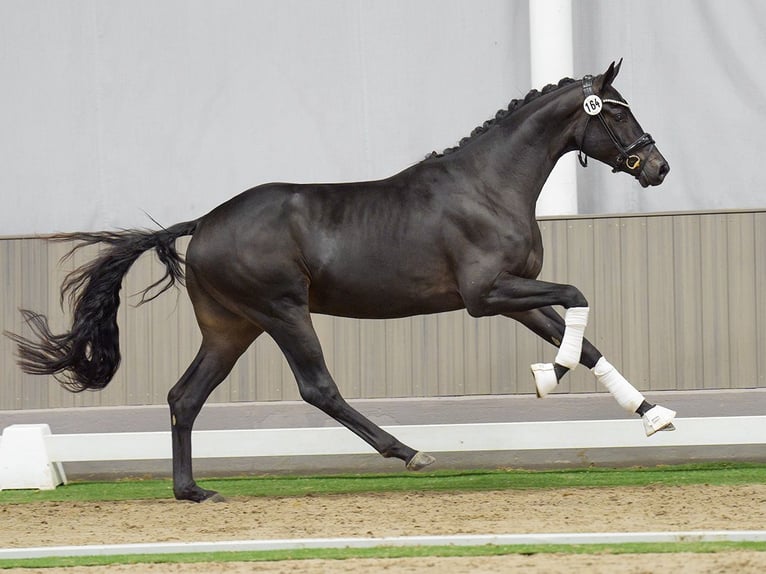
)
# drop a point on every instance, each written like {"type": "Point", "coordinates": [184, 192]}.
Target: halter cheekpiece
{"type": "Point", "coordinates": [593, 106]}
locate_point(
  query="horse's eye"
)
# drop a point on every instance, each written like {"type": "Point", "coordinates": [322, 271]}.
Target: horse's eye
{"type": "Point", "coordinates": [620, 117]}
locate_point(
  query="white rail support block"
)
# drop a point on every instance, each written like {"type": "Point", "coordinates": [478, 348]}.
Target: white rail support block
{"type": "Point", "coordinates": [24, 460]}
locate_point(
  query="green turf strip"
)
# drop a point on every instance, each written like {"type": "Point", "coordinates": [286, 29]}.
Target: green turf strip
{"type": "Point", "coordinates": [721, 474]}
{"type": "Point", "coordinates": [387, 552]}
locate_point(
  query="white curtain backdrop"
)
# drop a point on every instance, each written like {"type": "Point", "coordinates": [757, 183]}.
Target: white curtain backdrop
{"type": "Point", "coordinates": [694, 74]}
{"type": "Point", "coordinates": [109, 109]}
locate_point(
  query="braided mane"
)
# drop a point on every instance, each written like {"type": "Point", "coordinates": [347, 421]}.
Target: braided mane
{"type": "Point", "coordinates": [501, 114]}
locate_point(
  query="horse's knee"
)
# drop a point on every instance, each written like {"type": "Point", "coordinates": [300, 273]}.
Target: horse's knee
{"type": "Point", "coordinates": [478, 303]}
{"type": "Point", "coordinates": [573, 297]}
{"type": "Point", "coordinates": [477, 308]}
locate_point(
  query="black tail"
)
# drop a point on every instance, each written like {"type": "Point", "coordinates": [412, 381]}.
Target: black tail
{"type": "Point", "coordinates": [87, 357]}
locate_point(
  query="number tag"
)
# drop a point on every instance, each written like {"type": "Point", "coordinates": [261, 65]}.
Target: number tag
{"type": "Point", "coordinates": [592, 105]}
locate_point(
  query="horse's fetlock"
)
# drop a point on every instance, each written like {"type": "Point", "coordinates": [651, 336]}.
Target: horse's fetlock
{"type": "Point", "coordinates": [391, 448]}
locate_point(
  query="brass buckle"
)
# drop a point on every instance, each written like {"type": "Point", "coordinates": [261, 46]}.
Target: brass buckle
{"type": "Point", "coordinates": [632, 162]}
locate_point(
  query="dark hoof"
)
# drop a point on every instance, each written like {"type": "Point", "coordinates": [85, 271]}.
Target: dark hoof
{"type": "Point", "coordinates": [420, 461]}
{"type": "Point", "coordinates": [214, 498]}
{"type": "Point", "coordinates": [197, 494]}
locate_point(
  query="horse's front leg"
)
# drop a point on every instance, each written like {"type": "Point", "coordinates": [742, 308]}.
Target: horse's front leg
{"type": "Point", "coordinates": [522, 298]}
{"type": "Point", "coordinates": [508, 294]}
{"type": "Point", "coordinates": [549, 325]}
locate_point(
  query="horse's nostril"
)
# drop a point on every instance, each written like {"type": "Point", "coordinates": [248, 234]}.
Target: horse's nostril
{"type": "Point", "coordinates": [664, 169]}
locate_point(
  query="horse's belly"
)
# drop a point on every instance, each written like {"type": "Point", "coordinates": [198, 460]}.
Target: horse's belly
{"type": "Point", "coordinates": [388, 300]}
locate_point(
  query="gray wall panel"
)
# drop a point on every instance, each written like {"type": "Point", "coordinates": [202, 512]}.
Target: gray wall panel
{"type": "Point", "coordinates": [675, 304]}
{"type": "Point", "coordinates": [606, 297]}
{"type": "Point", "coordinates": [715, 294]}
{"type": "Point", "coordinates": [634, 305]}
{"type": "Point", "coordinates": [743, 329]}
{"type": "Point", "coordinates": [660, 288]}
{"type": "Point", "coordinates": [688, 302]}
{"type": "Point", "coordinates": [760, 294]}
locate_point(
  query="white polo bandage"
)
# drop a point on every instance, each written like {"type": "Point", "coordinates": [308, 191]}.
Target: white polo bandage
{"type": "Point", "coordinates": [626, 395]}
{"type": "Point", "coordinates": [545, 378]}
{"type": "Point", "coordinates": [576, 320]}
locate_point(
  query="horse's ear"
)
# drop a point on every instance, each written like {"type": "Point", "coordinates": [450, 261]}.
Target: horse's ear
{"type": "Point", "coordinates": [611, 74]}
{"type": "Point", "coordinates": [617, 69]}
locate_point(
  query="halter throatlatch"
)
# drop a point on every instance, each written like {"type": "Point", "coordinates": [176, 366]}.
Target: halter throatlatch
{"type": "Point", "coordinates": [593, 106]}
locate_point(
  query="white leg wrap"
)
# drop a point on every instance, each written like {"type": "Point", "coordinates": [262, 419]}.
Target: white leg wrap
{"type": "Point", "coordinates": [658, 418]}
{"type": "Point", "coordinates": [545, 378]}
{"type": "Point", "coordinates": [576, 320]}
{"type": "Point", "coordinates": [626, 395]}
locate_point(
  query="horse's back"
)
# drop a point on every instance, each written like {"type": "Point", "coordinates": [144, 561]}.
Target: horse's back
{"type": "Point", "coordinates": [367, 249]}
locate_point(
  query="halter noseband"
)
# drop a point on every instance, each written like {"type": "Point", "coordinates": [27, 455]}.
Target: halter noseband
{"type": "Point", "coordinates": [626, 154]}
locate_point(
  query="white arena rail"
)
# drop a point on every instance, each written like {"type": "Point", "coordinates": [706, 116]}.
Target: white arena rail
{"type": "Point", "coordinates": [32, 457]}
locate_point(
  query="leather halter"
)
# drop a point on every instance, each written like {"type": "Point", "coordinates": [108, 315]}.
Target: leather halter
{"type": "Point", "coordinates": [626, 155]}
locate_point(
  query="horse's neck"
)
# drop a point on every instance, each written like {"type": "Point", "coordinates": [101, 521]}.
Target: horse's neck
{"type": "Point", "coordinates": [521, 154]}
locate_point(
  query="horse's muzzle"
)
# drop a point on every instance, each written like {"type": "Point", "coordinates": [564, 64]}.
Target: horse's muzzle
{"type": "Point", "coordinates": [654, 171]}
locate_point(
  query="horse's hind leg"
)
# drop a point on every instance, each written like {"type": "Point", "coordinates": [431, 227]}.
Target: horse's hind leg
{"type": "Point", "coordinates": [209, 368]}
{"type": "Point", "coordinates": [295, 335]}
{"type": "Point", "coordinates": [549, 325]}
{"type": "Point", "coordinates": [224, 338]}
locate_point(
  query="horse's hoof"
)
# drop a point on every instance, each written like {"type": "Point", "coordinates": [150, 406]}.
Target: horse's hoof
{"type": "Point", "coordinates": [545, 378]}
{"type": "Point", "coordinates": [197, 494]}
{"type": "Point", "coordinates": [420, 461]}
{"type": "Point", "coordinates": [657, 419]}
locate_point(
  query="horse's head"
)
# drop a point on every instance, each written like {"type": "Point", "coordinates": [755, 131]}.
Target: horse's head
{"type": "Point", "coordinates": [616, 138]}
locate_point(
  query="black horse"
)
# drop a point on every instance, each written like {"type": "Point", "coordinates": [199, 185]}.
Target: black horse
{"type": "Point", "coordinates": [456, 230]}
